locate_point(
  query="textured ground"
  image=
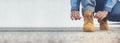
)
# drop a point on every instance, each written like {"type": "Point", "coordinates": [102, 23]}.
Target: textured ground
{"type": "Point", "coordinates": [58, 35]}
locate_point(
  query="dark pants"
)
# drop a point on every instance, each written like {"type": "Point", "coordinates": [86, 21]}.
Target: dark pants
{"type": "Point", "coordinates": [100, 4]}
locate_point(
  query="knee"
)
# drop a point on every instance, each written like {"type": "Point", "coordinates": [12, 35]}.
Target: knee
{"type": "Point", "coordinates": [113, 17]}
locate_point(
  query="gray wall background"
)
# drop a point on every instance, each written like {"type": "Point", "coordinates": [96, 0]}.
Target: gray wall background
{"type": "Point", "coordinates": [37, 13]}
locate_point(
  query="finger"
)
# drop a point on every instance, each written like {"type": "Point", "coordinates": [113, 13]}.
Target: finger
{"type": "Point", "coordinates": [98, 20]}
{"type": "Point", "coordinates": [96, 15]}
{"type": "Point", "coordinates": [78, 17]}
{"type": "Point", "coordinates": [102, 17]}
{"type": "Point", "coordinates": [99, 15]}
{"type": "Point", "coordinates": [75, 18]}
{"type": "Point", "coordinates": [72, 18]}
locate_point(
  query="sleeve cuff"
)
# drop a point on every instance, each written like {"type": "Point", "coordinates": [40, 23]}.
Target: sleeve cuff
{"type": "Point", "coordinates": [73, 9]}
{"type": "Point", "coordinates": [108, 9]}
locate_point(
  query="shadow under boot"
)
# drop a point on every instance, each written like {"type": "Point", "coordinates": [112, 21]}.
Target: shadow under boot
{"type": "Point", "coordinates": [103, 24]}
{"type": "Point", "coordinates": [88, 21]}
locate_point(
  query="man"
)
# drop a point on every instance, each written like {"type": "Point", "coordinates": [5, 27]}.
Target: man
{"type": "Point", "coordinates": [88, 9]}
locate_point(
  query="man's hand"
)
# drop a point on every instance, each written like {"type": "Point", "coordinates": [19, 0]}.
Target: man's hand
{"type": "Point", "coordinates": [101, 15]}
{"type": "Point", "coordinates": [75, 15]}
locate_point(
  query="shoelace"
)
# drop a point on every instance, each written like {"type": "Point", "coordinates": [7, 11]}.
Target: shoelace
{"type": "Point", "coordinates": [88, 19]}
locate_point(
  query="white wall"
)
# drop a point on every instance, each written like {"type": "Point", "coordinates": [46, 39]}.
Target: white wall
{"type": "Point", "coordinates": [36, 13]}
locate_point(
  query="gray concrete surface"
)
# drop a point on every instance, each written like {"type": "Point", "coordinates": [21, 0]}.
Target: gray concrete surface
{"type": "Point", "coordinates": [58, 35]}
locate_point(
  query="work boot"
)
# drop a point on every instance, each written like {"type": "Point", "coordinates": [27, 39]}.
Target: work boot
{"type": "Point", "coordinates": [88, 21]}
{"type": "Point", "coordinates": [103, 24]}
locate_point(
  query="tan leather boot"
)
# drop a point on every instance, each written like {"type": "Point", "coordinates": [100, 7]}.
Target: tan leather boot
{"type": "Point", "coordinates": [88, 21]}
{"type": "Point", "coordinates": [103, 24]}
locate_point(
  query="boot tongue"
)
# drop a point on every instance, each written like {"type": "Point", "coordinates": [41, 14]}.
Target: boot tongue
{"type": "Point", "coordinates": [88, 19]}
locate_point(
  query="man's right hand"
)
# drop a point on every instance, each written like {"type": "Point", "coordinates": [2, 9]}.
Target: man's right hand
{"type": "Point", "coordinates": [75, 15]}
{"type": "Point", "coordinates": [101, 14]}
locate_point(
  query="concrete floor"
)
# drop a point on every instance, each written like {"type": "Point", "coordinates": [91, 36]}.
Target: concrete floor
{"type": "Point", "coordinates": [58, 35]}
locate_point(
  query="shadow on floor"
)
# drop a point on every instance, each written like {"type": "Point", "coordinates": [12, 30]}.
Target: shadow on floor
{"type": "Point", "coordinates": [46, 29]}
{"type": "Point", "coordinates": [40, 29]}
